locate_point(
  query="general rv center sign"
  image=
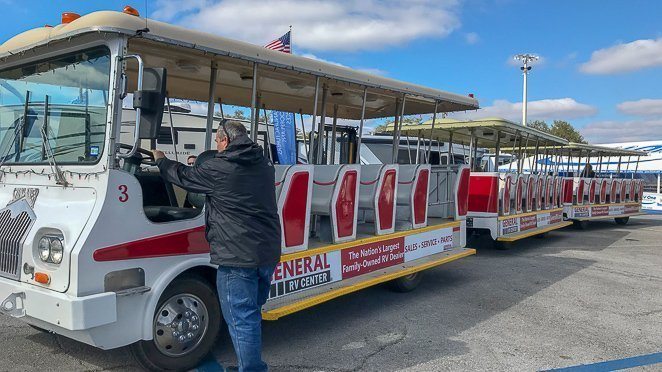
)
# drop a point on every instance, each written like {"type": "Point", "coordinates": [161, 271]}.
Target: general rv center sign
{"type": "Point", "coordinates": [304, 273]}
{"type": "Point", "coordinates": [527, 222]}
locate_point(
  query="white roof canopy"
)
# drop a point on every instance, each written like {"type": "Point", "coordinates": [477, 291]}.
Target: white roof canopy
{"type": "Point", "coordinates": [286, 82]}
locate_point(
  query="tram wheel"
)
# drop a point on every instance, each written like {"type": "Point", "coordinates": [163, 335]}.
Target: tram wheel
{"type": "Point", "coordinates": [622, 220]}
{"type": "Point", "coordinates": [581, 225]}
{"type": "Point", "coordinates": [186, 325]}
{"type": "Point", "coordinates": [501, 245]}
{"type": "Point", "coordinates": [406, 283]}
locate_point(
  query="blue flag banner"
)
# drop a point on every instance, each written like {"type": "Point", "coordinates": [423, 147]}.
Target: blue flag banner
{"type": "Point", "coordinates": [284, 136]}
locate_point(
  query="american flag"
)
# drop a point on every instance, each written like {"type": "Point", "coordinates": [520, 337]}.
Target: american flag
{"type": "Point", "coordinates": [282, 44]}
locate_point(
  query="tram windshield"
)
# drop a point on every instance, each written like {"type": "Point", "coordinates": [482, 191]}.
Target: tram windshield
{"type": "Point", "coordinates": [55, 108]}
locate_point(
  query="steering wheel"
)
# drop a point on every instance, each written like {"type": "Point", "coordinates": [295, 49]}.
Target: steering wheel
{"type": "Point", "coordinates": [147, 159]}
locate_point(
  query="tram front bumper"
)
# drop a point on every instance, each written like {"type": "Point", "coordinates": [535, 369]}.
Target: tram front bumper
{"type": "Point", "coordinates": [22, 300]}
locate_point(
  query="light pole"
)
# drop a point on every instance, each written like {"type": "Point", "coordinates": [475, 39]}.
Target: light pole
{"type": "Point", "coordinates": [525, 59]}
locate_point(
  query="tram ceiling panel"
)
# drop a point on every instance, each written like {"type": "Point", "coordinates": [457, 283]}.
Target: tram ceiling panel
{"type": "Point", "coordinates": [484, 131]}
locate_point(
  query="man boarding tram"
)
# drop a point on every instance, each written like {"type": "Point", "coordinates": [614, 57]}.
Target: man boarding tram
{"type": "Point", "coordinates": [242, 228]}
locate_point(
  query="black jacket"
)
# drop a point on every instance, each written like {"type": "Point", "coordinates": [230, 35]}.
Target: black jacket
{"type": "Point", "coordinates": [243, 228]}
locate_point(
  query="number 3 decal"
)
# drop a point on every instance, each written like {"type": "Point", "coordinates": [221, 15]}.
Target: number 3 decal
{"type": "Point", "coordinates": [123, 193]}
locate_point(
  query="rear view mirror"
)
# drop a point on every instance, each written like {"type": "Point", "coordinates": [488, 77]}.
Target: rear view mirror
{"type": "Point", "coordinates": [150, 100]}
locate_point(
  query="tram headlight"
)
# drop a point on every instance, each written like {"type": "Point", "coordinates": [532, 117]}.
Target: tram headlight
{"type": "Point", "coordinates": [50, 249]}
{"type": "Point", "coordinates": [56, 251]}
{"type": "Point", "coordinates": [44, 248]}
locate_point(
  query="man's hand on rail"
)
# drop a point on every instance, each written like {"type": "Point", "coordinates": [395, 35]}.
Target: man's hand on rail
{"type": "Point", "coordinates": [158, 154]}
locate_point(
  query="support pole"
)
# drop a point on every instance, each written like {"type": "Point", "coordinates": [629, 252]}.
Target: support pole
{"type": "Point", "coordinates": [172, 129]}
{"type": "Point", "coordinates": [332, 157]}
{"type": "Point", "coordinates": [358, 141]}
{"type": "Point", "coordinates": [255, 112]}
{"type": "Point", "coordinates": [303, 132]}
{"type": "Point", "coordinates": [320, 129]}
{"type": "Point", "coordinates": [313, 157]}
{"type": "Point", "coordinates": [396, 142]}
{"type": "Point", "coordinates": [434, 119]}
{"type": "Point", "coordinates": [497, 149]}
{"type": "Point", "coordinates": [210, 105]}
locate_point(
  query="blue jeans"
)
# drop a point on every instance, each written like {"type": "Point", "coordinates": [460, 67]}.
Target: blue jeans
{"type": "Point", "coordinates": [242, 292]}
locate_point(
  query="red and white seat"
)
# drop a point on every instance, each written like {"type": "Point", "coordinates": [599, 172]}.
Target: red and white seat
{"type": "Point", "coordinates": [518, 192]}
{"type": "Point", "coordinates": [540, 192]}
{"type": "Point", "coordinates": [530, 191]}
{"type": "Point", "coordinates": [294, 189]}
{"type": "Point", "coordinates": [379, 185]}
{"type": "Point", "coordinates": [505, 194]}
{"type": "Point", "coordinates": [592, 190]}
{"type": "Point", "coordinates": [335, 201]}
{"type": "Point", "coordinates": [412, 196]}
{"type": "Point", "coordinates": [549, 192]}
{"type": "Point", "coordinates": [601, 191]}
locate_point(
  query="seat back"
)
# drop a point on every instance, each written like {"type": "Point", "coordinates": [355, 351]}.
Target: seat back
{"type": "Point", "coordinates": [505, 194]}
{"type": "Point", "coordinates": [530, 192]}
{"type": "Point", "coordinates": [519, 192]}
{"type": "Point", "coordinates": [294, 189]}
{"type": "Point", "coordinates": [377, 193]}
{"type": "Point", "coordinates": [592, 189]}
{"type": "Point", "coordinates": [549, 192]}
{"type": "Point", "coordinates": [579, 188]}
{"type": "Point", "coordinates": [335, 194]}
{"type": "Point", "coordinates": [540, 191]}
{"type": "Point", "coordinates": [602, 190]}
{"type": "Point", "coordinates": [568, 189]}
{"type": "Point", "coordinates": [413, 192]}
{"type": "Point", "coordinates": [613, 190]}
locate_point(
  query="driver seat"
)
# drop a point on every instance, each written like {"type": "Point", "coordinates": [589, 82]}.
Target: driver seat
{"type": "Point", "coordinates": [159, 200]}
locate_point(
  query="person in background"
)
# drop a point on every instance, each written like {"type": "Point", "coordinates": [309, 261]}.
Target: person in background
{"type": "Point", "coordinates": [191, 160]}
{"type": "Point", "coordinates": [243, 230]}
{"type": "Point", "coordinates": [588, 171]}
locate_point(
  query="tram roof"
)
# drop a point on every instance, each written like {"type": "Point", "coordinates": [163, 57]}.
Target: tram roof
{"type": "Point", "coordinates": [485, 132]}
{"type": "Point", "coordinates": [583, 149]}
{"type": "Point", "coordinates": [286, 81]}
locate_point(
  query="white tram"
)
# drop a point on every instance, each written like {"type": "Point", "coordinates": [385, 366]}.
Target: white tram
{"type": "Point", "coordinates": [596, 184]}
{"type": "Point", "coordinates": [509, 204]}
{"type": "Point", "coordinates": [95, 246]}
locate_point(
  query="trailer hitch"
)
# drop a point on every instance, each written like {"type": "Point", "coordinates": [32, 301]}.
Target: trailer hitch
{"type": "Point", "coordinates": [14, 305]}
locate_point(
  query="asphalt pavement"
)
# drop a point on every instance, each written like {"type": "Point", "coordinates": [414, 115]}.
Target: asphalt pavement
{"type": "Point", "coordinates": [571, 298]}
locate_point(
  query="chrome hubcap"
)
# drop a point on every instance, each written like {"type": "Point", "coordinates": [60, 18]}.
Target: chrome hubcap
{"type": "Point", "coordinates": [180, 324]}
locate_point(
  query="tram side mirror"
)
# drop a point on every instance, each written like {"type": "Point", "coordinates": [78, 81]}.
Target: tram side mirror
{"type": "Point", "coordinates": [151, 100]}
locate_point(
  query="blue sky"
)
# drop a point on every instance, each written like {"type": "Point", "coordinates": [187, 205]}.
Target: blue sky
{"type": "Point", "coordinates": [601, 66]}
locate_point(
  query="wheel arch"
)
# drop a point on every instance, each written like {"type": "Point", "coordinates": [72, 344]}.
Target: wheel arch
{"type": "Point", "coordinates": [192, 267]}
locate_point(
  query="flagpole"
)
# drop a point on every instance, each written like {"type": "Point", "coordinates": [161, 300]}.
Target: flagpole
{"type": "Point", "coordinates": [291, 43]}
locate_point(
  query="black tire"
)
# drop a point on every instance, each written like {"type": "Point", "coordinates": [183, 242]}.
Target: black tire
{"type": "Point", "coordinates": [622, 220]}
{"type": "Point", "coordinates": [581, 225]}
{"type": "Point", "coordinates": [406, 283]}
{"type": "Point", "coordinates": [501, 245]}
{"type": "Point", "coordinates": [147, 352]}
{"type": "Point", "coordinates": [541, 235]}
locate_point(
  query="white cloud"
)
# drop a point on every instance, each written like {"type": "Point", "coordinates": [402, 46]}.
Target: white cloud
{"type": "Point", "coordinates": [627, 57]}
{"type": "Point", "coordinates": [622, 131]}
{"type": "Point", "coordinates": [642, 107]}
{"type": "Point", "coordinates": [471, 38]}
{"type": "Point", "coordinates": [374, 71]}
{"type": "Point", "coordinates": [546, 109]}
{"type": "Point", "coordinates": [317, 24]}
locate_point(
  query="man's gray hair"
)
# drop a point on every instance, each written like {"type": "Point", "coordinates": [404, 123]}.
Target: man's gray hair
{"type": "Point", "coordinates": [232, 129]}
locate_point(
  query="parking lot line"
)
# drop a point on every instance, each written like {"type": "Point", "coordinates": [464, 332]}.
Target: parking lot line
{"type": "Point", "coordinates": [614, 365]}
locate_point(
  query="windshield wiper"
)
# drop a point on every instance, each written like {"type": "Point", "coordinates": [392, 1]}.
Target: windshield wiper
{"type": "Point", "coordinates": [48, 150]}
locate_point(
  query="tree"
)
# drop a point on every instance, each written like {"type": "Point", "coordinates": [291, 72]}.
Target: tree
{"type": "Point", "coordinates": [238, 114]}
{"type": "Point", "coordinates": [565, 130]}
{"type": "Point", "coordinates": [538, 124]}
{"type": "Point", "coordinates": [416, 120]}
{"type": "Point", "coordinates": [559, 128]}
